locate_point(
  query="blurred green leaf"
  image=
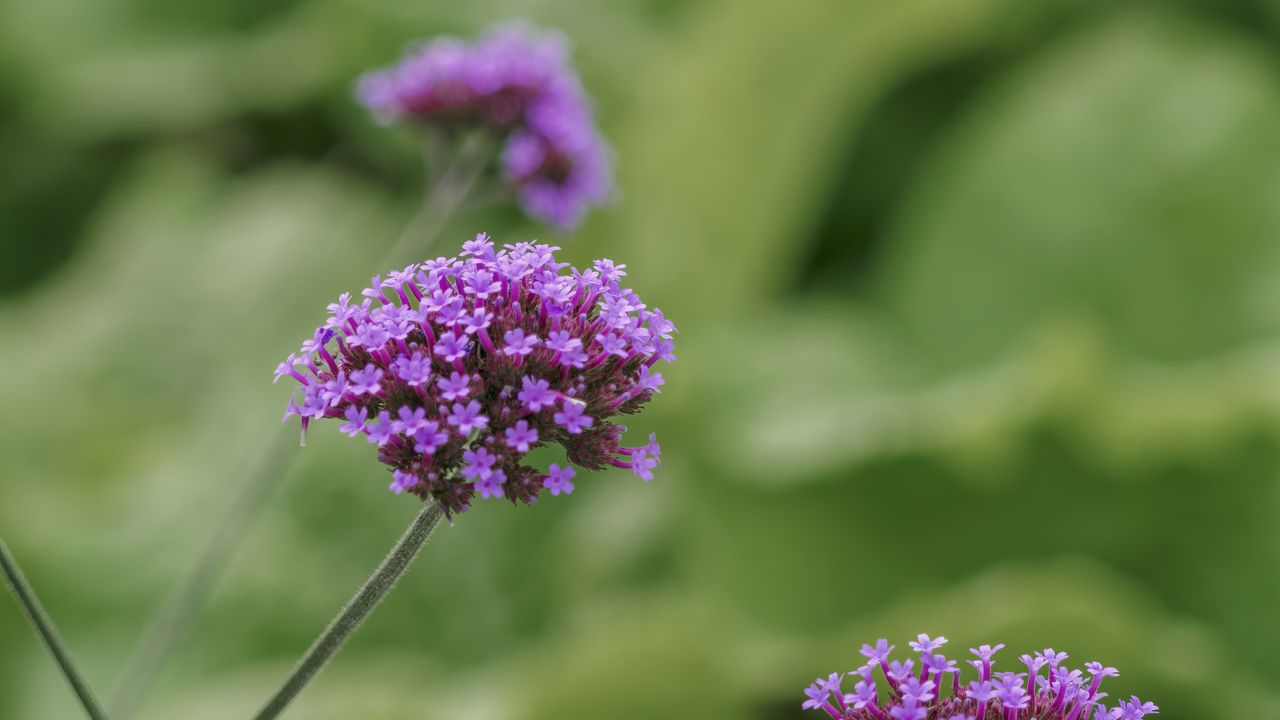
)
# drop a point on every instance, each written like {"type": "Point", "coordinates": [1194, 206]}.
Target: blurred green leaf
{"type": "Point", "coordinates": [1149, 165]}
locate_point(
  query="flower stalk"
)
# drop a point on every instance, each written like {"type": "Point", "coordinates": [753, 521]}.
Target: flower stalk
{"type": "Point", "coordinates": [48, 633]}
{"type": "Point", "coordinates": [180, 610]}
{"type": "Point", "coordinates": [355, 612]}
{"type": "Point", "coordinates": [450, 191]}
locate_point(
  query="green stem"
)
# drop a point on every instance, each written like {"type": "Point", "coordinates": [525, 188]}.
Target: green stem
{"type": "Point", "coordinates": [48, 634]}
{"type": "Point", "coordinates": [355, 612]}
{"type": "Point", "coordinates": [173, 622]}
{"type": "Point", "coordinates": [455, 185]}
{"type": "Point", "coordinates": [179, 612]}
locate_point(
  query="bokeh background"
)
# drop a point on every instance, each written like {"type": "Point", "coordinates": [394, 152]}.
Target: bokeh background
{"type": "Point", "coordinates": [980, 336]}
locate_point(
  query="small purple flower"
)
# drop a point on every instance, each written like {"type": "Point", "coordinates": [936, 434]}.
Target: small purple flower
{"type": "Point", "coordinates": [314, 403]}
{"type": "Point", "coordinates": [521, 437]}
{"type": "Point", "coordinates": [922, 692]}
{"type": "Point", "coordinates": [517, 343]}
{"type": "Point", "coordinates": [410, 420]}
{"type": "Point", "coordinates": [561, 340]}
{"type": "Point", "coordinates": [664, 351]}
{"type": "Point", "coordinates": [557, 480]}
{"type": "Point", "coordinates": [612, 344]}
{"type": "Point", "coordinates": [900, 670]}
{"type": "Point", "coordinates": [609, 271]}
{"type": "Point", "coordinates": [937, 665]}
{"type": "Point", "coordinates": [516, 80]}
{"type": "Point", "coordinates": [573, 358]}
{"type": "Point", "coordinates": [879, 652]}
{"type": "Point", "coordinates": [819, 698]}
{"type": "Point", "coordinates": [414, 370]}
{"type": "Point", "coordinates": [403, 481]}
{"type": "Point", "coordinates": [1009, 691]}
{"type": "Point", "coordinates": [1033, 663]}
{"type": "Point", "coordinates": [454, 387]}
{"type": "Point", "coordinates": [479, 464]}
{"type": "Point", "coordinates": [332, 391]}
{"type": "Point", "coordinates": [414, 367]}
{"type": "Point", "coordinates": [467, 418]}
{"type": "Point", "coordinates": [1133, 709]}
{"type": "Point", "coordinates": [289, 367]}
{"type": "Point", "coordinates": [482, 284]}
{"type": "Point", "coordinates": [864, 694]}
{"type": "Point", "coordinates": [439, 300]}
{"type": "Point", "coordinates": [355, 421]}
{"type": "Point", "coordinates": [1097, 669]}
{"type": "Point", "coordinates": [650, 381]}
{"type": "Point", "coordinates": [369, 335]}
{"type": "Point", "coordinates": [536, 394]}
{"type": "Point", "coordinates": [1064, 695]}
{"type": "Point", "coordinates": [925, 645]}
{"type": "Point", "coordinates": [1054, 659]}
{"type": "Point", "coordinates": [480, 247]}
{"type": "Point", "coordinates": [983, 691]}
{"type": "Point", "coordinates": [908, 710]}
{"type": "Point", "coordinates": [986, 652]}
{"type": "Point", "coordinates": [490, 486]}
{"type": "Point", "coordinates": [478, 320]}
{"type": "Point", "coordinates": [571, 418]}
{"type": "Point", "coordinates": [366, 381]}
{"type": "Point", "coordinates": [450, 314]}
{"type": "Point", "coordinates": [452, 347]}
{"type": "Point", "coordinates": [429, 437]}
{"type": "Point", "coordinates": [644, 460]}
{"type": "Point", "coordinates": [381, 430]}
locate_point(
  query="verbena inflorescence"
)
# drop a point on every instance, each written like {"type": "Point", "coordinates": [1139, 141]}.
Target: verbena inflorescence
{"type": "Point", "coordinates": [518, 81]}
{"type": "Point", "coordinates": [1048, 690]}
{"type": "Point", "coordinates": [455, 368]}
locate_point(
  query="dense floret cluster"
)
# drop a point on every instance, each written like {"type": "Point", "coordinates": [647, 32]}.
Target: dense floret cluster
{"type": "Point", "coordinates": [455, 368]}
{"type": "Point", "coordinates": [517, 81]}
{"type": "Point", "coordinates": [1049, 690]}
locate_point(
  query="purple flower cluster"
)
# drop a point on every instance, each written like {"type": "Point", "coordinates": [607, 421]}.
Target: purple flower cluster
{"type": "Point", "coordinates": [517, 81]}
{"type": "Point", "coordinates": [1049, 690]}
{"type": "Point", "coordinates": [457, 367]}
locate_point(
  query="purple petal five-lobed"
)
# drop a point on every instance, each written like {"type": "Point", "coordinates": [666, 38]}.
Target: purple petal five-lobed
{"type": "Point", "coordinates": [557, 479]}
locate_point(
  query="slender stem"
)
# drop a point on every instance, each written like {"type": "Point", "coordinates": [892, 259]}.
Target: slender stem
{"type": "Point", "coordinates": [355, 612]}
{"type": "Point", "coordinates": [454, 186]}
{"type": "Point", "coordinates": [179, 612]}
{"type": "Point", "coordinates": [48, 634]}
{"type": "Point", "coordinates": [173, 622]}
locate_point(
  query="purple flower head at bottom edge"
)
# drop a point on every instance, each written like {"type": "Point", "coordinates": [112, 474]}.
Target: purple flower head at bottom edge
{"type": "Point", "coordinates": [1063, 694]}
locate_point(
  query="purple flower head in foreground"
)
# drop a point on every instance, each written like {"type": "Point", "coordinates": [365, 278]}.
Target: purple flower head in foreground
{"type": "Point", "coordinates": [517, 81]}
{"type": "Point", "coordinates": [1056, 694]}
{"type": "Point", "coordinates": [452, 412]}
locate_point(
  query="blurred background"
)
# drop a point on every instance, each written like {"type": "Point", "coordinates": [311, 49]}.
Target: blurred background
{"type": "Point", "coordinates": [980, 336]}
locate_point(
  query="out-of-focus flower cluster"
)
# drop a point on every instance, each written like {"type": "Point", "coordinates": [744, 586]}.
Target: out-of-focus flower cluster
{"type": "Point", "coordinates": [1048, 690]}
{"type": "Point", "coordinates": [455, 368]}
{"type": "Point", "coordinates": [517, 80]}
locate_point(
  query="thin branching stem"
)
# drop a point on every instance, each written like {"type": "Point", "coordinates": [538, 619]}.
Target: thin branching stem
{"type": "Point", "coordinates": [180, 610]}
{"type": "Point", "coordinates": [48, 633]}
{"type": "Point", "coordinates": [355, 612]}
{"type": "Point", "coordinates": [451, 188]}
{"type": "Point", "coordinates": [456, 183]}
